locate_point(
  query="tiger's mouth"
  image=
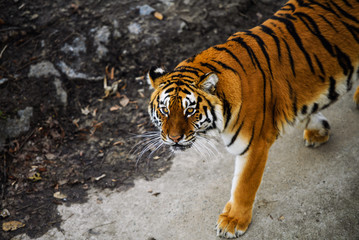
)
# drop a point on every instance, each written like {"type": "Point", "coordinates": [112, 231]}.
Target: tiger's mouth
{"type": "Point", "coordinates": [180, 147]}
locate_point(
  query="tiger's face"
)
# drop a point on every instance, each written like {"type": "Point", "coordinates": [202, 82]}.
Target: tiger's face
{"type": "Point", "coordinates": [182, 108]}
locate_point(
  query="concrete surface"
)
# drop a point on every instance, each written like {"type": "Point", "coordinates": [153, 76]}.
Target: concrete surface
{"type": "Point", "coordinates": [305, 194]}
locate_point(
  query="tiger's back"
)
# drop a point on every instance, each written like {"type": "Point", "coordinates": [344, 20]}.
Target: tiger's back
{"type": "Point", "coordinates": [279, 73]}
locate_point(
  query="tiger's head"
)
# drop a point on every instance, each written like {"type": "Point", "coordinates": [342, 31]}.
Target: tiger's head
{"type": "Point", "coordinates": [183, 105]}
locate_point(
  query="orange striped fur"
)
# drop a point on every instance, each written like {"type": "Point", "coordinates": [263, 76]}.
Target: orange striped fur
{"type": "Point", "coordinates": [251, 87]}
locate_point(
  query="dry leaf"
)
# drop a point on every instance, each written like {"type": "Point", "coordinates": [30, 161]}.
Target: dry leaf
{"type": "Point", "coordinates": [85, 111]}
{"type": "Point", "coordinates": [12, 226]}
{"type": "Point", "coordinates": [156, 194]}
{"type": "Point", "coordinates": [115, 108]}
{"type": "Point", "coordinates": [158, 15]}
{"type": "Point", "coordinates": [118, 143]}
{"type": "Point", "coordinates": [124, 101]}
{"type": "Point", "coordinates": [281, 218]}
{"type": "Point", "coordinates": [76, 121]}
{"type": "Point", "coordinates": [35, 177]}
{"type": "Point", "coordinates": [94, 113]}
{"type": "Point", "coordinates": [60, 195]}
{"type": "Point", "coordinates": [50, 156]}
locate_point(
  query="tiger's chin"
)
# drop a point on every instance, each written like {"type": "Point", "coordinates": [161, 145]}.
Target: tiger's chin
{"type": "Point", "coordinates": [180, 148]}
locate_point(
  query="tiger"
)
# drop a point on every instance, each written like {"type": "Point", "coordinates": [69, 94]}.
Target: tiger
{"type": "Point", "coordinates": [278, 74]}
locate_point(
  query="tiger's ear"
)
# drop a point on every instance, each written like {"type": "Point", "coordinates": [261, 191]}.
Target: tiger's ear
{"type": "Point", "coordinates": [208, 82]}
{"type": "Point", "coordinates": [153, 75]}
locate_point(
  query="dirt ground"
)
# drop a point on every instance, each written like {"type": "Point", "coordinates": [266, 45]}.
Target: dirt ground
{"type": "Point", "coordinates": [77, 138]}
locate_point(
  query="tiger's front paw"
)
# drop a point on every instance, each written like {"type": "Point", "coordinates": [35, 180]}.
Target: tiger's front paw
{"type": "Point", "coordinates": [315, 138]}
{"type": "Point", "coordinates": [232, 227]}
{"type": "Point", "coordinates": [229, 227]}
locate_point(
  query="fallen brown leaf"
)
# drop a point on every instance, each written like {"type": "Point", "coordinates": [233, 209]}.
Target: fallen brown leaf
{"type": "Point", "coordinates": [60, 195]}
{"type": "Point", "coordinates": [12, 226]}
{"type": "Point", "coordinates": [115, 108]}
{"type": "Point", "coordinates": [124, 101]}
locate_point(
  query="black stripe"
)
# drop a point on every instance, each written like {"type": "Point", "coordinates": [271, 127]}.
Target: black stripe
{"type": "Point", "coordinates": [270, 32]}
{"type": "Point", "coordinates": [274, 118]}
{"type": "Point", "coordinates": [238, 117]}
{"type": "Point", "coordinates": [328, 22]}
{"type": "Point", "coordinates": [263, 46]}
{"type": "Point", "coordinates": [291, 61]}
{"type": "Point", "coordinates": [294, 105]}
{"type": "Point", "coordinates": [304, 4]}
{"type": "Point", "coordinates": [212, 112]}
{"type": "Point", "coordinates": [185, 70]}
{"type": "Point", "coordinates": [181, 76]}
{"type": "Point", "coordinates": [226, 110]}
{"type": "Point", "coordinates": [315, 31]}
{"type": "Point", "coordinates": [332, 95]}
{"type": "Point", "coordinates": [293, 97]}
{"type": "Point", "coordinates": [344, 61]}
{"type": "Point", "coordinates": [169, 90]}
{"type": "Point", "coordinates": [326, 8]}
{"type": "Point", "coordinates": [209, 66]}
{"type": "Point", "coordinates": [291, 6]}
{"type": "Point", "coordinates": [304, 109]}
{"type": "Point", "coordinates": [231, 54]}
{"type": "Point", "coordinates": [349, 80]}
{"type": "Point", "coordinates": [353, 30]}
{"type": "Point", "coordinates": [225, 66]}
{"type": "Point", "coordinates": [291, 29]}
{"type": "Point", "coordinates": [319, 64]}
{"type": "Point", "coordinates": [344, 13]}
{"type": "Point", "coordinates": [315, 107]}
{"type": "Point", "coordinates": [254, 58]}
{"type": "Point", "coordinates": [249, 144]}
{"type": "Point", "coordinates": [248, 49]}
{"type": "Point", "coordinates": [188, 67]}
{"type": "Point", "coordinates": [348, 4]}
{"type": "Point", "coordinates": [185, 91]}
{"type": "Point", "coordinates": [236, 134]}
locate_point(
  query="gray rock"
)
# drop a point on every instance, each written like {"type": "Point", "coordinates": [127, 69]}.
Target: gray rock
{"type": "Point", "coordinates": [101, 38]}
{"type": "Point", "coordinates": [3, 80]}
{"type": "Point", "coordinates": [13, 127]}
{"type": "Point", "coordinates": [134, 28]}
{"type": "Point", "coordinates": [145, 10]}
{"type": "Point", "coordinates": [71, 74]}
{"type": "Point", "coordinates": [102, 35]}
{"type": "Point", "coordinates": [78, 46]}
{"type": "Point", "coordinates": [61, 93]}
{"type": "Point", "coordinates": [43, 69]}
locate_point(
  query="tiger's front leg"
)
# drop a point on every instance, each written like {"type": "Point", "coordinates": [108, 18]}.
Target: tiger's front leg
{"type": "Point", "coordinates": [249, 168]}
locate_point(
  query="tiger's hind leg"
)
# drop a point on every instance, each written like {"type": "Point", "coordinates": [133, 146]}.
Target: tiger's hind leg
{"type": "Point", "coordinates": [356, 97]}
{"type": "Point", "coordinates": [316, 130]}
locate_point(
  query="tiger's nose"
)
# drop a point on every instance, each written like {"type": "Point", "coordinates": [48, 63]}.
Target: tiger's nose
{"type": "Point", "coordinates": [176, 138]}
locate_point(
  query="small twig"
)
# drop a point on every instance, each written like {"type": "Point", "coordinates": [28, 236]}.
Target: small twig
{"type": "Point", "coordinates": [9, 29]}
{"type": "Point", "coordinates": [2, 51]}
{"type": "Point", "coordinates": [3, 182]}
{"type": "Point", "coordinates": [27, 139]}
{"type": "Point", "coordinates": [102, 225]}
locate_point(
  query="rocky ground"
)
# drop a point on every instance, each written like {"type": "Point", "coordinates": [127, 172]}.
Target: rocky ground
{"type": "Point", "coordinates": [61, 131]}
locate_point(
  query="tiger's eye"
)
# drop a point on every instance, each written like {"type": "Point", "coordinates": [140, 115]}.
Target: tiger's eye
{"type": "Point", "coordinates": [190, 111]}
{"type": "Point", "coordinates": [164, 110]}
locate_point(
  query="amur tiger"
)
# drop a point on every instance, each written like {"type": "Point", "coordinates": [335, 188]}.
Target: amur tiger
{"type": "Point", "coordinates": [259, 81]}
